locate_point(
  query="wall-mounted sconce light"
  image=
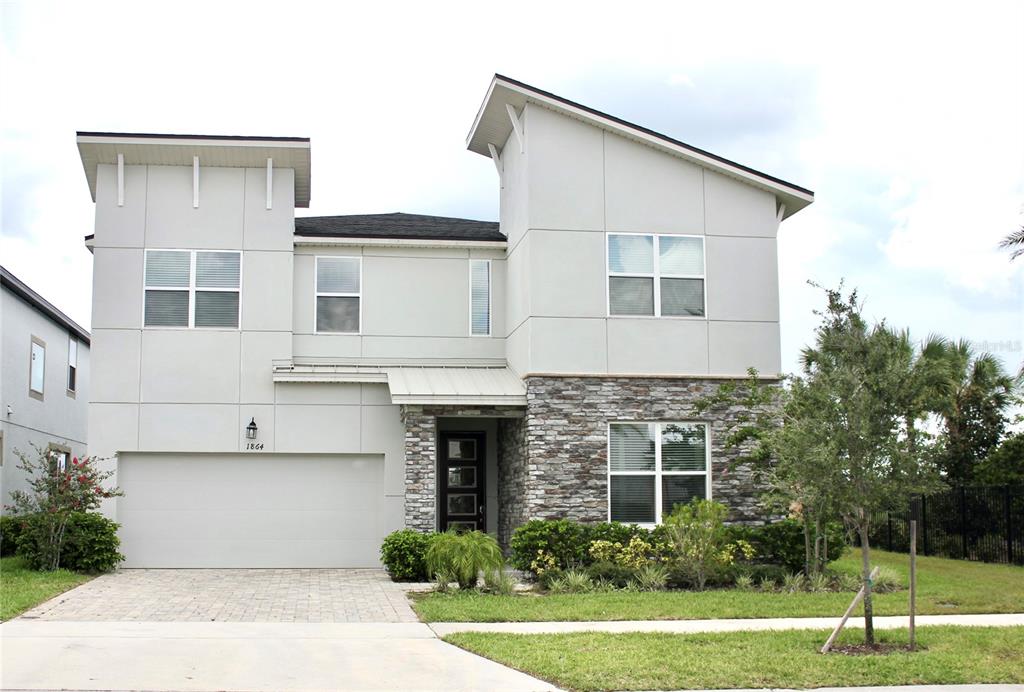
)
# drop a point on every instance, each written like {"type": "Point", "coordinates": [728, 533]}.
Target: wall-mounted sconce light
{"type": "Point", "coordinates": [250, 430]}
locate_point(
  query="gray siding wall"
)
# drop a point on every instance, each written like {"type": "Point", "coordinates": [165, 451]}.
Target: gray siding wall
{"type": "Point", "coordinates": [60, 418]}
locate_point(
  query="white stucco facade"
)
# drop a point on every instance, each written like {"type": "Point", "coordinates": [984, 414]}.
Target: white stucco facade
{"type": "Point", "coordinates": [170, 405]}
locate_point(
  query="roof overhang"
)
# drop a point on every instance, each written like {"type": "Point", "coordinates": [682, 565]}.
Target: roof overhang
{"type": "Point", "coordinates": [493, 126]}
{"type": "Point", "coordinates": [365, 241]}
{"type": "Point", "coordinates": [481, 383]}
{"type": "Point", "coordinates": [178, 150]}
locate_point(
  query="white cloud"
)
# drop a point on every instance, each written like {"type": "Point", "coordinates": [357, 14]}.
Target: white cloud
{"type": "Point", "coordinates": [905, 118]}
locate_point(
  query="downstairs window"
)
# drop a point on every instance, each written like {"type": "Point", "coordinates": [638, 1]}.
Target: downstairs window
{"type": "Point", "coordinates": [654, 466]}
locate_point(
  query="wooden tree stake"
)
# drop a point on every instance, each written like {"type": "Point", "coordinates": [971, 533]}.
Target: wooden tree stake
{"type": "Point", "coordinates": [913, 580]}
{"type": "Point", "coordinates": [846, 615]}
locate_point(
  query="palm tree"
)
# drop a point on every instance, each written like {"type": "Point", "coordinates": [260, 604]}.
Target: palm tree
{"type": "Point", "coordinates": [1015, 242]}
{"type": "Point", "coordinates": [973, 416]}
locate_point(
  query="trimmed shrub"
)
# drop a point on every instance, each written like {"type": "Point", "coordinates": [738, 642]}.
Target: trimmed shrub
{"type": "Point", "coordinates": [562, 540]}
{"type": "Point", "coordinates": [463, 556]}
{"type": "Point", "coordinates": [90, 543]}
{"type": "Point", "coordinates": [611, 573]}
{"type": "Point", "coordinates": [404, 554]}
{"type": "Point", "coordinates": [782, 543]}
{"type": "Point", "coordinates": [10, 528]}
{"type": "Point", "coordinates": [615, 532]}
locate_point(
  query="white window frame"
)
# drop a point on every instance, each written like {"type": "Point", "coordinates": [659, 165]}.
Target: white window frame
{"type": "Point", "coordinates": [192, 289]}
{"type": "Point", "coordinates": [658, 473]}
{"type": "Point", "coordinates": [32, 391]}
{"type": "Point", "coordinates": [490, 297]}
{"type": "Point", "coordinates": [73, 340]}
{"type": "Point", "coordinates": [358, 294]}
{"type": "Point", "coordinates": [656, 276]}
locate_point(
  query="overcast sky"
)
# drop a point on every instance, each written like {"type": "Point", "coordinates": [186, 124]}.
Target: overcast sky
{"type": "Point", "coordinates": [907, 120]}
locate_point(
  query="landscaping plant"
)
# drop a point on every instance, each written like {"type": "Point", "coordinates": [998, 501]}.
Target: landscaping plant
{"type": "Point", "coordinates": [404, 554]}
{"type": "Point", "coordinates": [651, 577]}
{"type": "Point", "coordinates": [553, 544]}
{"type": "Point", "coordinates": [463, 556]}
{"type": "Point", "coordinates": [54, 496]}
{"type": "Point", "coordinates": [702, 545]}
{"type": "Point", "coordinates": [500, 582]}
{"type": "Point", "coordinates": [10, 528]}
{"type": "Point", "coordinates": [90, 542]}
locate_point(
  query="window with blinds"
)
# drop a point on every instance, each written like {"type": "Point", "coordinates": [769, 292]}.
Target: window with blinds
{"type": "Point", "coordinates": [655, 275]}
{"type": "Point", "coordinates": [338, 284]}
{"type": "Point", "coordinates": [480, 297]}
{"type": "Point", "coordinates": [72, 363]}
{"type": "Point", "coordinates": [652, 467]}
{"type": "Point", "coordinates": [192, 288]}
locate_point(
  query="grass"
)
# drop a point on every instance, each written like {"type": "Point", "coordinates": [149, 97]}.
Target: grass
{"type": "Point", "coordinates": [644, 661]}
{"type": "Point", "coordinates": [944, 587]}
{"type": "Point", "coordinates": [22, 588]}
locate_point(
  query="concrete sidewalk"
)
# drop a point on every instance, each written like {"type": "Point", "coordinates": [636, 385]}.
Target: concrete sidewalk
{"type": "Point", "coordinates": [443, 629]}
{"type": "Point", "coordinates": [200, 656]}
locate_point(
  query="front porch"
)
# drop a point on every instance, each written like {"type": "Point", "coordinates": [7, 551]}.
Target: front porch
{"type": "Point", "coordinates": [465, 468]}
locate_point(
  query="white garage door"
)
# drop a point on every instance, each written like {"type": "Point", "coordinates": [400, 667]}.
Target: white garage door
{"type": "Point", "coordinates": [238, 510]}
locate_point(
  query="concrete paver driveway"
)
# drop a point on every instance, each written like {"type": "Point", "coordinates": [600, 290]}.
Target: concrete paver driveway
{"type": "Point", "coordinates": [234, 595]}
{"type": "Point", "coordinates": [278, 630]}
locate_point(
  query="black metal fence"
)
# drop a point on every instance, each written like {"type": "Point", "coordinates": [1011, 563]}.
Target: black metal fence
{"type": "Point", "coordinates": [968, 523]}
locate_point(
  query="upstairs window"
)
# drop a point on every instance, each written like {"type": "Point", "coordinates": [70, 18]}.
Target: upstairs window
{"type": "Point", "coordinates": [655, 275]}
{"type": "Point", "coordinates": [480, 297]}
{"type": "Point", "coordinates": [652, 467]}
{"type": "Point", "coordinates": [37, 368]}
{"type": "Point", "coordinates": [192, 288]}
{"type": "Point", "coordinates": [72, 363]}
{"type": "Point", "coordinates": [338, 283]}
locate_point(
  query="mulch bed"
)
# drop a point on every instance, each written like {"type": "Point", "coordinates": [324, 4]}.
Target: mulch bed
{"type": "Point", "coordinates": [871, 649]}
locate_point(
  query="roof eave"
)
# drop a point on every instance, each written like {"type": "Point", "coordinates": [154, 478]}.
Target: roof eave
{"type": "Point", "coordinates": [493, 119]}
{"type": "Point", "coordinates": [170, 149]}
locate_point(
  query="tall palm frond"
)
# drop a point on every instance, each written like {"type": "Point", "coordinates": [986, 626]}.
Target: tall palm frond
{"type": "Point", "coordinates": [1014, 242]}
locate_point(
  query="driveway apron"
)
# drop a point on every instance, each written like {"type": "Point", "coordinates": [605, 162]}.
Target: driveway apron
{"type": "Point", "coordinates": [252, 629]}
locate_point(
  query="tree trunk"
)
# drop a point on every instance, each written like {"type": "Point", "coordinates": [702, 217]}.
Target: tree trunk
{"type": "Point", "coordinates": [807, 545]}
{"type": "Point", "coordinates": [865, 565]}
{"type": "Point", "coordinates": [819, 563]}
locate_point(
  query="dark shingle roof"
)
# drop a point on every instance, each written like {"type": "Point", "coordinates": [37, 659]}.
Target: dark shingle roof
{"type": "Point", "coordinates": [21, 289]}
{"type": "Point", "coordinates": [407, 226]}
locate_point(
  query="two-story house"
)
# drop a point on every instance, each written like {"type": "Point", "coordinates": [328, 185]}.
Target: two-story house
{"type": "Point", "coordinates": [282, 391]}
{"type": "Point", "coordinates": [44, 383]}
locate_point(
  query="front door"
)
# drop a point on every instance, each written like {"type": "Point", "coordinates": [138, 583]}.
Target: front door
{"type": "Point", "coordinates": [463, 492]}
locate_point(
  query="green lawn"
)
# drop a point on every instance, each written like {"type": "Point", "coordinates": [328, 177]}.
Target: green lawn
{"type": "Point", "coordinates": [22, 588]}
{"type": "Point", "coordinates": [944, 586]}
{"type": "Point", "coordinates": [637, 661]}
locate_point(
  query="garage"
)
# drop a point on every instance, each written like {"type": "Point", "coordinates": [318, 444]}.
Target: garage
{"type": "Point", "coordinates": [251, 510]}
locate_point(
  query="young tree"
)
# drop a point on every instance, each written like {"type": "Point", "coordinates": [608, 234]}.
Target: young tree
{"type": "Point", "coordinates": [55, 494]}
{"type": "Point", "coordinates": [864, 377]}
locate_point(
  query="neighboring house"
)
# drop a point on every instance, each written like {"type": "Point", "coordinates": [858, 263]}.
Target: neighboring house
{"type": "Point", "coordinates": [44, 383]}
{"type": "Point", "coordinates": [285, 391]}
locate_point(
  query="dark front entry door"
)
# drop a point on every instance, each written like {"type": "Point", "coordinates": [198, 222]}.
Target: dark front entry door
{"type": "Point", "coordinates": [463, 492]}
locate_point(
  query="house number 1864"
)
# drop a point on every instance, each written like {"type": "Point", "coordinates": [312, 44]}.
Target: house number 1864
{"type": "Point", "coordinates": [254, 446]}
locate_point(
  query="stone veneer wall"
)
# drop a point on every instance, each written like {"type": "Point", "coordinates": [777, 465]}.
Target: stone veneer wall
{"type": "Point", "coordinates": [563, 472]}
{"type": "Point", "coordinates": [511, 477]}
{"type": "Point", "coordinates": [421, 456]}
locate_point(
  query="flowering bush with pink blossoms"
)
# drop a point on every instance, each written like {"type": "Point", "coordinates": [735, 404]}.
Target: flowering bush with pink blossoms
{"type": "Point", "coordinates": [56, 497]}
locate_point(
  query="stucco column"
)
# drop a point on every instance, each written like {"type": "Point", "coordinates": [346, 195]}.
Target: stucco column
{"type": "Point", "coordinates": [420, 465]}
